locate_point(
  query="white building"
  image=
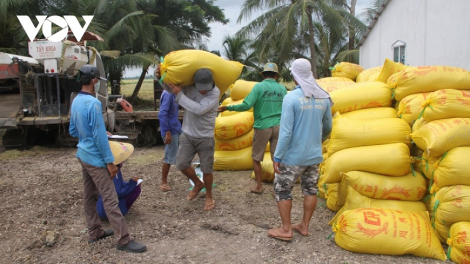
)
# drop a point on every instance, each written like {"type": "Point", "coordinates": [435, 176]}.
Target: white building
{"type": "Point", "coordinates": [419, 33]}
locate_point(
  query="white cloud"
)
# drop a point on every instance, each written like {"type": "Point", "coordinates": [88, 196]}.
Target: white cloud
{"type": "Point", "coordinates": [232, 10]}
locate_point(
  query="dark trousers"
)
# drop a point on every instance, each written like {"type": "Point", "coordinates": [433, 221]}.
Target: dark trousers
{"type": "Point", "coordinates": [96, 180]}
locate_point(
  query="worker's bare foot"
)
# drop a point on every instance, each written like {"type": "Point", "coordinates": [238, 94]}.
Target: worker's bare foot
{"type": "Point", "coordinates": [195, 191]}
{"type": "Point", "coordinates": [210, 204]}
{"type": "Point", "coordinates": [299, 229]}
{"type": "Point", "coordinates": [279, 233]}
{"type": "Point", "coordinates": [257, 190]}
{"type": "Point", "coordinates": [165, 187]}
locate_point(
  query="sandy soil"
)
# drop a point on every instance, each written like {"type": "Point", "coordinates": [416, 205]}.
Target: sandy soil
{"type": "Point", "coordinates": [41, 194]}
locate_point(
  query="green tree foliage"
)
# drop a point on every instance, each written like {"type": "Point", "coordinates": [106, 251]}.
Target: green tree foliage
{"type": "Point", "coordinates": [134, 31]}
{"type": "Point", "coordinates": [290, 24]}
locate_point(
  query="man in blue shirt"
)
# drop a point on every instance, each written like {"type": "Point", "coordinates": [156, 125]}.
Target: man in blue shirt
{"type": "Point", "coordinates": [305, 122]}
{"type": "Point", "coordinates": [170, 128]}
{"type": "Point", "coordinates": [96, 159]}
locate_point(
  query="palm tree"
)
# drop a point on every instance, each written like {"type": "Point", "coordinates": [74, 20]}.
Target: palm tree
{"type": "Point", "coordinates": [236, 48]}
{"type": "Point", "coordinates": [13, 38]}
{"type": "Point", "coordinates": [285, 21]}
{"type": "Point", "coordinates": [369, 14]}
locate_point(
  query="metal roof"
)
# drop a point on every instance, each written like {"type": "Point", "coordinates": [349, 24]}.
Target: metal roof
{"type": "Point", "coordinates": [374, 21]}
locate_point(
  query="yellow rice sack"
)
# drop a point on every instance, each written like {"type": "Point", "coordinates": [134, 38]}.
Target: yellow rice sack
{"type": "Point", "coordinates": [388, 232]}
{"type": "Point", "coordinates": [267, 169]}
{"type": "Point", "coordinates": [416, 155]}
{"type": "Point", "coordinates": [361, 96]}
{"type": "Point", "coordinates": [232, 126]}
{"type": "Point", "coordinates": [355, 200]}
{"type": "Point", "coordinates": [243, 141]}
{"type": "Point", "coordinates": [428, 79]}
{"type": "Point", "coordinates": [410, 107]}
{"type": "Point", "coordinates": [332, 197]}
{"type": "Point", "coordinates": [447, 103]}
{"type": "Point", "coordinates": [333, 86]}
{"type": "Point", "coordinates": [440, 136]}
{"type": "Point", "coordinates": [389, 159]}
{"type": "Point", "coordinates": [372, 113]}
{"type": "Point", "coordinates": [373, 77]}
{"type": "Point", "coordinates": [350, 133]}
{"type": "Point", "coordinates": [324, 145]}
{"type": "Point", "coordinates": [459, 243]}
{"type": "Point", "coordinates": [179, 67]}
{"type": "Point", "coordinates": [418, 124]}
{"type": "Point", "coordinates": [241, 89]}
{"type": "Point", "coordinates": [334, 80]}
{"type": "Point", "coordinates": [452, 168]}
{"type": "Point", "coordinates": [407, 188]}
{"type": "Point", "coordinates": [449, 205]}
{"type": "Point", "coordinates": [233, 160]}
{"type": "Point", "coordinates": [346, 69]}
{"type": "Point", "coordinates": [389, 68]}
{"type": "Point", "coordinates": [365, 75]}
{"type": "Point", "coordinates": [426, 164]}
{"type": "Point", "coordinates": [230, 101]}
{"type": "Point", "coordinates": [322, 187]}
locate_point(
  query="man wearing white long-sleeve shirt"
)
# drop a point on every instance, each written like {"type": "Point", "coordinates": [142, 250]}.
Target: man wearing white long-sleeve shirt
{"type": "Point", "coordinates": [305, 122]}
{"type": "Point", "coordinates": [200, 102]}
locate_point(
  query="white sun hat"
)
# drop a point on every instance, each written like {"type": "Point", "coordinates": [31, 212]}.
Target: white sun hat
{"type": "Point", "coordinates": [302, 73]}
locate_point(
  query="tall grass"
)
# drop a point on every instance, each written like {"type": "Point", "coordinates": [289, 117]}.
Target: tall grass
{"type": "Point", "coordinates": [145, 92]}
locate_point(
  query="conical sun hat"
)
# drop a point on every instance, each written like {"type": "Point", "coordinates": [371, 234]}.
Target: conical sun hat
{"type": "Point", "coordinates": [121, 151]}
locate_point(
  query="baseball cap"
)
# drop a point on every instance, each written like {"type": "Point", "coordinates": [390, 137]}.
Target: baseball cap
{"type": "Point", "coordinates": [203, 80]}
{"type": "Point", "coordinates": [270, 67]}
{"type": "Point", "coordinates": [90, 72]}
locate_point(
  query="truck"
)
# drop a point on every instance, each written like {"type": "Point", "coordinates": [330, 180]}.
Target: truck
{"type": "Point", "coordinates": [36, 94]}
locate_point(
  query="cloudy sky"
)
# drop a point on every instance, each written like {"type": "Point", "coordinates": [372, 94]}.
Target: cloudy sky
{"type": "Point", "coordinates": [232, 10]}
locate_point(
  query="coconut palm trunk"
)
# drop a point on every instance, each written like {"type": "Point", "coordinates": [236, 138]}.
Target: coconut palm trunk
{"type": "Point", "coordinates": [138, 85]}
{"type": "Point", "coordinates": [313, 53]}
{"type": "Point", "coordinates": [352, 31]}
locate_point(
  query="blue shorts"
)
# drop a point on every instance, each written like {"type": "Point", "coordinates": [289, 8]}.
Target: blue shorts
{"type": "Point", "coordinates": [171, 149]}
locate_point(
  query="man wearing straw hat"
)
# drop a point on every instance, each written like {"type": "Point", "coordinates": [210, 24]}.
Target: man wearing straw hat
{"type": "Point", "coordinates": [96, 159]}
{"type": "Point", "coordinates": [266, 100]}
{"type": "Point", "coordinates": [305, 122]}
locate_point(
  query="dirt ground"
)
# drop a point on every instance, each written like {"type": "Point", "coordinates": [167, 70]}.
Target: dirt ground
{"type": "Point", "coordinates": [41, 191]}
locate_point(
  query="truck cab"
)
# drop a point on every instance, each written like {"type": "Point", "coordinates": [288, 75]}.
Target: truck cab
{"type": "Point", "coordinates": [36, 92]}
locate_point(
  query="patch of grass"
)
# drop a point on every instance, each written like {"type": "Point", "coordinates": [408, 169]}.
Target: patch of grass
{"type": "Point", "coordinates": [150, 158]}
{"type": "Point", "coordinates": [145, 96]}
{"type": "Point", "coordinates": [15, 154]}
